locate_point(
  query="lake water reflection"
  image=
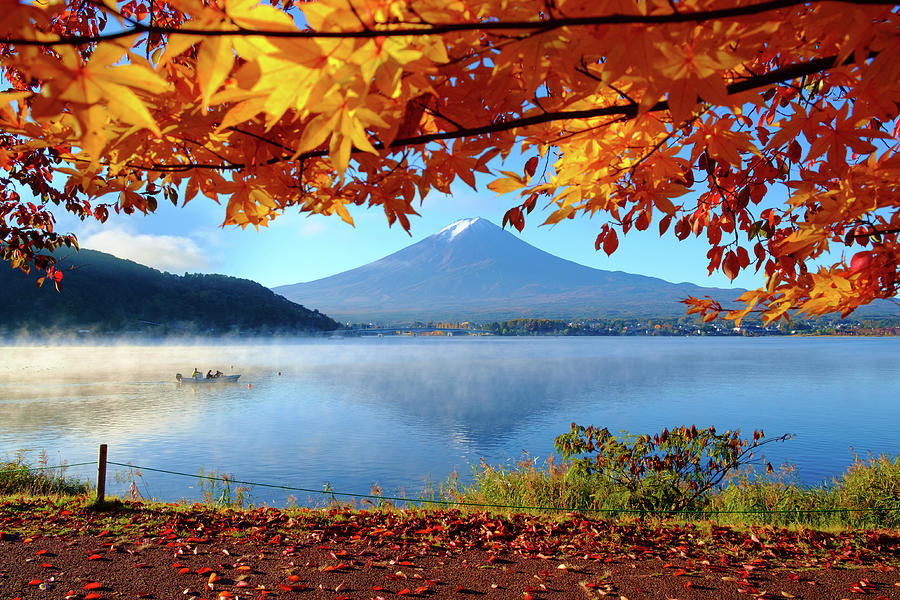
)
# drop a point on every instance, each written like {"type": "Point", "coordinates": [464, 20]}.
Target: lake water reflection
{"type": "Point", "coordinates": [397, 411]}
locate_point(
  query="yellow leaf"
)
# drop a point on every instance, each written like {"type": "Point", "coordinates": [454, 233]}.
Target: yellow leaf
{"type": "Point", "coordinates": [135, 76]}
{"type": "Point", "coordinates": [370, 117]}
{"type": "Point", "coordinates": [214, 61]}
{"type": "Point", "coordinates": [505, 185]}
{"type": "Point", "coordinates": [315, 133]}
{"type": "Point", "coordinates": [399, 49]}
{"type": "Point", "coordinates": [232, 94]}
{"type": "Point", "coordinates": [176, 44]}
{"type": "Point", "coordinates": [339, 150]}
{"type": "Point", "coordinates": [108, 53]}
{"type": "Point", "coordinates": [92, 138]}
{"type": "Point", "coordinates": [285, 83]}
{"type": "Point", "coordinates": [342, 212]}
{"type": "Point", "coordinates": [436, 51]}
{"type": "Point", "coordinates": [242, 112]}
{"type": "Point", "coordinates": [358, 137]}
{"type": "Point", "coordinates": [250, 14]}
{"type": "Point", "coordinates": [515, 176]}
{"type": "Point", "coordinates": [127, 107]}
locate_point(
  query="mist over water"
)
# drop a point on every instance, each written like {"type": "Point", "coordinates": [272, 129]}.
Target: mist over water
{"type": "Point", "coordinates": [397, 411]}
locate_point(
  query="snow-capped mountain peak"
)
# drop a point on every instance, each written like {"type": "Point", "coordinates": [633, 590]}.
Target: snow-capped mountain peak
{"type": "Point", "coordinates": [457, 227]}
{"type": "Point", "coordinates": [473, 269]}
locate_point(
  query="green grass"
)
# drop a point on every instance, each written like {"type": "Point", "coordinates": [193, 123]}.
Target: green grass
{"type": "Point", "coordinates": [17, 477]}
{"type": "Point", "coordinates": [854, 500]}
{"type": "Point", "coordinates": [850, 501]}
{"type": "Point", "coordinates": [530, 485]}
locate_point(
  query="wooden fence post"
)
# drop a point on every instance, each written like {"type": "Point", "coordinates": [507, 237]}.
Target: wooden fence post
{"type": "Point", "coordinates": [101, 474]}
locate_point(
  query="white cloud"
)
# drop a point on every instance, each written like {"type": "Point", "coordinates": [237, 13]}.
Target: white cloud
{"type": "Point", "coordinates": [164, 252]}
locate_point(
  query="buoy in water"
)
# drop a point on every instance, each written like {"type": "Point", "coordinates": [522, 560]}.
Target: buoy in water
{"type": "Point", "coordinates": [249, 386]}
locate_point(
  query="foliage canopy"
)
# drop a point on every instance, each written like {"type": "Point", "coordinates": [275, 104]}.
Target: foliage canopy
{"type": "Point", "coordinates": [768, 127]}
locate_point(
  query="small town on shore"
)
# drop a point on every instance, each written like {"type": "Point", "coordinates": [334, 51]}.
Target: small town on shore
{"type": "Point", "coordinates": [681, 326]}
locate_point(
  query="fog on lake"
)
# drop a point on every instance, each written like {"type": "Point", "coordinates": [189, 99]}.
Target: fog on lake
{"type": "Point", "coordinates": [401, 412]}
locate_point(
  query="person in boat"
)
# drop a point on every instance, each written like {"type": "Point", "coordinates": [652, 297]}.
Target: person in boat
{"type": "Point", "coordinates": [209, 374]}
{"type": "Point", "coordinates": [218, 373]}
{"type": "Point", "coordinates": [196, 373]}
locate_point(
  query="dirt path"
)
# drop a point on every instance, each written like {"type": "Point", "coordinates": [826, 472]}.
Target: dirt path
{"type": "Point", "coordinates": [70, 553]}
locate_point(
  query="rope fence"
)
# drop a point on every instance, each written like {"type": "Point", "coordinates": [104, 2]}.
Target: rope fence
{"type": "Point", "coordinates": [103, 462]}
{"type": "Point", "coordinates": [333, 493]}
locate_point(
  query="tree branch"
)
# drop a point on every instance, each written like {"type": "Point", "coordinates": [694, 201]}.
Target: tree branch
{"type": "Point", "coordinates": [626, 111]}
{"type": "Point", "coordinates": [547, 25]}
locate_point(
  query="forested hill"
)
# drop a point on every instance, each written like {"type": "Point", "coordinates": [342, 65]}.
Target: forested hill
{"type": "Point", "coordinates": [102, 294]}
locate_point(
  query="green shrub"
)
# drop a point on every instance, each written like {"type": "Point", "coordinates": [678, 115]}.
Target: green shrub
{"type": "Point", "coordinates": [17, 477]}
{"type": "Point", "coordinates": [673, 470]}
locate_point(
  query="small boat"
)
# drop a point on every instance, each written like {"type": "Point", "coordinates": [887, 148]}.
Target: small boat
{"type": "Point", "coordinates": [201, 379]}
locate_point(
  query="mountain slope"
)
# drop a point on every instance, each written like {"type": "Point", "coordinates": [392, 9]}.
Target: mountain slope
{"type": "Point", "coordinates": [106, 294]}
{"type": "Point", "coordinates": [474, 269]}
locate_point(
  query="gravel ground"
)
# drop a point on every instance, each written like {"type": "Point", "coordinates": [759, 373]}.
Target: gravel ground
{"type": "Point", "coordinates": [268, 555]}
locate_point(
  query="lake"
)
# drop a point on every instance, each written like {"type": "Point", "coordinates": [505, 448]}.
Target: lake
{"type": "Point", "coordinates": [401, 412]}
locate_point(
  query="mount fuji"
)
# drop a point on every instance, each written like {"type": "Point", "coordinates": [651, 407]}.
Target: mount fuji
{"type": "Point", "coordinates": [473, 269]}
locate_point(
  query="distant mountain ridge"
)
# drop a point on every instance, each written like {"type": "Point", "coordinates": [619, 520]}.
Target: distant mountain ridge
{"type": "Point", "coordinates": [473, 269]}
{"type": "Point", "coordinates": [108, 295]}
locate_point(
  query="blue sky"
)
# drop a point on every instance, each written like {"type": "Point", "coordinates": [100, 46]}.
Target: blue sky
{"type": "Point", "coordinates": [296, 248]}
